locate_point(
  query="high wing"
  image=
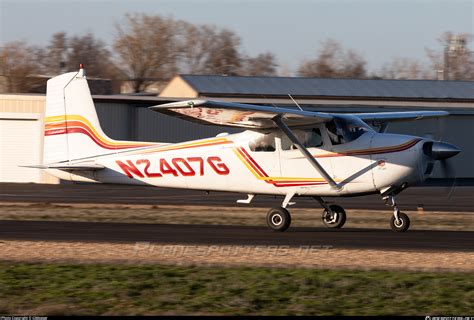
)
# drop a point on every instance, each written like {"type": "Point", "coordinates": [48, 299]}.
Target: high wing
{"type": "Point", "coordinates": [262, 117]}
{"type": "Point", "coordinates": [384, 117]}
{"type": "Point", "coordinates": [239, 114]}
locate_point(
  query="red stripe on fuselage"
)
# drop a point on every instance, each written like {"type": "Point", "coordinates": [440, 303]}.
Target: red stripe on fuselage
{"type": "Point", "coordinates": [86, 131]}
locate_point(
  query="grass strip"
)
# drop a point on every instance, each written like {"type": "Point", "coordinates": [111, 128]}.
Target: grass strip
{"type": "Point", "coordinates": [101, 289]}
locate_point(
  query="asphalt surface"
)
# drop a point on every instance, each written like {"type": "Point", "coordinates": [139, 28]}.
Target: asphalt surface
{"type": "Point", "coordinates": [431, 198]}
{"type": "Point", "coordinates": [418, 240]}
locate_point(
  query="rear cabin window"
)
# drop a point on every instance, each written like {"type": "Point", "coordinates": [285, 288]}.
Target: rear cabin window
{"type": "Point", "coordinates": [310, 138]}
{"type": "Point", "coordinates": [264, 143]}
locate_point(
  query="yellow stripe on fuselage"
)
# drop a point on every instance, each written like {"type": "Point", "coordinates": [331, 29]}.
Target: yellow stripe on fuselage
{"type": "Point", "coordinates": [74, 117]}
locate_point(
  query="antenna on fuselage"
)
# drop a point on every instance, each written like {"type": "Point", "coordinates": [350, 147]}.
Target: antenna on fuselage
{"type": "Point", "coordinates": [289, 95]}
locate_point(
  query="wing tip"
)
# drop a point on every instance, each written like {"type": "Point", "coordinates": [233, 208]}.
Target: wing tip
{"type": "Point", "coordinates": [179, 104]}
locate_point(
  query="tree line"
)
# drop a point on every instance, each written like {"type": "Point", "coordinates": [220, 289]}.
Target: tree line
{"type": "Point", "coordinates": [150, 48]}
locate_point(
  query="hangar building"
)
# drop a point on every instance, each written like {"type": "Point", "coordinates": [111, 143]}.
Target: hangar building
{"type": "Point", "coordinates": [127, 117]}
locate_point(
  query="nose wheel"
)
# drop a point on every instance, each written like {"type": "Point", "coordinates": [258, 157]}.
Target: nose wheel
{"type": "Point", "coordinates": [400, 225]}
{"type": "Point", "coordinates": [399, 222]}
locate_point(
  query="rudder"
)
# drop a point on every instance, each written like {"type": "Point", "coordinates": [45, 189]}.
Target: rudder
{"type": "Point", "coordinates": [72, 128]}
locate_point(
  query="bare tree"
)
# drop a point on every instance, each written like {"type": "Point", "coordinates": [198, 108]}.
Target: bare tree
{"type": "Point", "coordinates": [403, 68]}
{"type": "Point", "coordinates": [196, 46]}
{"type": "Point", "coordinates": [262, 65]}
{"type": "Point", "coordinates": [353, 65]}
{"type": "Point", "coordinates": [65, 54]}
{"type": "Point", "coordinates": [148, 48]}
{"type": "Point", "coordinates": [455, 61]}
{"type": "Point", "coordinates": [333, 61]}
{"type": "Point", "coordinates": [18, 66]}
{"type": "Point", "coordinates": [53, 57]}
{"type": "Point", "coordinates": [224, 56]}
{"type": "Point", "coordinates": [208, 50]}
{"type": "Point", "coordinates": [93, 53]}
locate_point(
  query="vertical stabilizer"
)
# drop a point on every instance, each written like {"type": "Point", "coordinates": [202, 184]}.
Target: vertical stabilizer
{"type": "Point", "coordinates": [72, 128]}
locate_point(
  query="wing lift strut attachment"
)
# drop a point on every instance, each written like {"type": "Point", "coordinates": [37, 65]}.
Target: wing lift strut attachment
{"type": "Point", "coordinates": [287, 131]}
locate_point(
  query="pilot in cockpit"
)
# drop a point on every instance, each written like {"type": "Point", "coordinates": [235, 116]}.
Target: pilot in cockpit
{"type": "Point", "coordinates": [333, 133]}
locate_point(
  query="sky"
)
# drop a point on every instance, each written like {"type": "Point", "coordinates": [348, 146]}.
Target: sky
{"type": "Point", "coordinates": [293, 30]}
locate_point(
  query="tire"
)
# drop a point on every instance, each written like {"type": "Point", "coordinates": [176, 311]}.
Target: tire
{"type": "Point", "coordinates": [278, 219]}
{"type": "Point", "coordinates": [404, 223]}
{"type": "Point", "coordinates": [340, 217]}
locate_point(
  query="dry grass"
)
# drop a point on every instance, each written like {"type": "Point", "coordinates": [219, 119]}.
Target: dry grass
{"type": "Point", "coordinates": [231, 255]}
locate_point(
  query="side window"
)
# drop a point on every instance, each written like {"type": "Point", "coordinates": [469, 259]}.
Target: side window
{"type": "Point", "coordinates": [314, 138]}
{"type": "Point", "coordinates": [264, 143]}
{"type": "Point", "coordinates": [333, 133]}
{"type": "Point", "coordinates": [310, 138]}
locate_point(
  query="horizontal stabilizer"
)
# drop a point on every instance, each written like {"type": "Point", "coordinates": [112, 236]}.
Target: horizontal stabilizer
{"type": "Point", "coordinates": [69, 167]}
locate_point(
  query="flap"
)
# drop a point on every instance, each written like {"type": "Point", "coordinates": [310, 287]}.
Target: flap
{"type": "Point", "coordinates": [378, 117]}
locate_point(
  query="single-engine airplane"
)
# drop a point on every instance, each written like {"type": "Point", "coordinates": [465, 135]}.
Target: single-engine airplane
{"type": "Point", "coordinates": [284, 151]}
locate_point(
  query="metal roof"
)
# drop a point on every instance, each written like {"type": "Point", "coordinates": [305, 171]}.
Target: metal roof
{"type": "Point", "coordinates": [213, 85]}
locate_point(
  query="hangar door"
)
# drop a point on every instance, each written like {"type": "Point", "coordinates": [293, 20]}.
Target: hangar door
{"type": "Point", "coordinates": [20, 144]}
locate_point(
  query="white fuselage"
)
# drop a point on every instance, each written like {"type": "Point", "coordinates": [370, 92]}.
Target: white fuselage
{"type": "Point", "coordinates": [369, 164]}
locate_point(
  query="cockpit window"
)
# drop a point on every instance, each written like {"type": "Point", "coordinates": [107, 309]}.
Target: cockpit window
{"type": "Point", "coordinates": [310, 138]}
{"type": "Point", "coordinates": [263, 143]}
{"type": "Point", "coordinates": [346, 129]}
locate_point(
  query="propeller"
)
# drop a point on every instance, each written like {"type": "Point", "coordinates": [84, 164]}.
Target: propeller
{"type": "Point", "coordinates": [442, 151]}
{"type": "Point", "coordinates": [447, 168]}
{"type": "Point", "coordinates": [448, 172]}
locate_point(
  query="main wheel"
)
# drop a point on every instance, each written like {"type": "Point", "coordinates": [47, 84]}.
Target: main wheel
{"type": "Point", "coordinates": [337, 219]}
{"type": "Point", "coordinates": [403, 223]}
{"type": "Point", "coordinates": [278, 219]}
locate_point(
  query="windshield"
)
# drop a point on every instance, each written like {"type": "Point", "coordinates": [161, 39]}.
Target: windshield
{"type": "Point", "coordinates": [344, 129]}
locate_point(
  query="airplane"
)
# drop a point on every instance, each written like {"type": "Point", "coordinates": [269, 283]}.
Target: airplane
{"type": "Point", "coordinates": [283, 152]}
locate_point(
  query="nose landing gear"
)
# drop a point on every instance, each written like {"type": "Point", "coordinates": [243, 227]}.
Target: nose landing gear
{"type": "Point", "coordinates": [399, 222]}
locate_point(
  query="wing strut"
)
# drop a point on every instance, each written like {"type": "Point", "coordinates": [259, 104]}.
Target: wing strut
{"type": "Point", "coordinates": [287, 131]}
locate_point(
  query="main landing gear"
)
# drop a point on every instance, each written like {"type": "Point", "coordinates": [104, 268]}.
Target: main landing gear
{"type": "Point", "coordinates": [399, 222]}
{"type": "Point", "coordinates": [334, 216]}
{"type": "Point", "coordinates": [279, 218]}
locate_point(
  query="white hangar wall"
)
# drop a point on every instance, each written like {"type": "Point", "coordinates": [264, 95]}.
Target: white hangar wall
{"type": "Point", "coordinates": [21, 138]}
